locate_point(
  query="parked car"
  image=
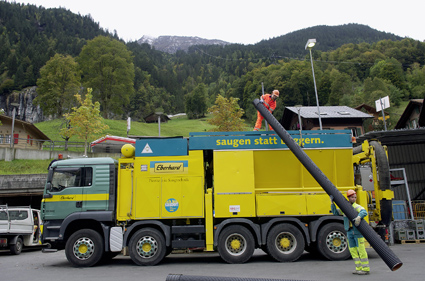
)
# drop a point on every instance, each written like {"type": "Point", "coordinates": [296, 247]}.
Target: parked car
{"type": "Point", "coordinates": [19, 227]}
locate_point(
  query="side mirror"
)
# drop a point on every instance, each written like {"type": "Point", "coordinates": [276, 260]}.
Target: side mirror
{"type": "Point", "coordinates": [48, 195]}
{"type": "Point", "coordinates": [49, 186]}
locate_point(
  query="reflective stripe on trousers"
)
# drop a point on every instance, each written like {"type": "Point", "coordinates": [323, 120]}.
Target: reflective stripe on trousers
{"type": "Point", "coordinates": [359, 255]}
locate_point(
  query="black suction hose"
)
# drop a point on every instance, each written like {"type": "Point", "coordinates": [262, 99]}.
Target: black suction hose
{"type": "Point", "coordinates": [180, 277]}
{"type": "Point", "coordinates": [371, 236]}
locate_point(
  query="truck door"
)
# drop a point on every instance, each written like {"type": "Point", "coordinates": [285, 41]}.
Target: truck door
{"type": "Point", "coordinates": [64, 193]}
{"type": "Point", "coordinates": [95, 184]}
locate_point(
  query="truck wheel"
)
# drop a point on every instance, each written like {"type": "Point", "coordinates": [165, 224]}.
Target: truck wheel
{"type": "Point", "coordinates": [285, 243]}
{"type": "Point", "coordinates": [16, 248]}
{"type": "Point", "coordinates": [236, 244]}
{"type": "Point", "coordinates": [84, 248]}
{"type": "Point", "coordinates": [332, 242]}
{"type": "Point", "coordinates": [147, 247]}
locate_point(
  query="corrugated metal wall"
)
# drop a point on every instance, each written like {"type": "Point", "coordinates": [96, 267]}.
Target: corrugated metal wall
{"type": "Point", "coordinates": [411, 157]}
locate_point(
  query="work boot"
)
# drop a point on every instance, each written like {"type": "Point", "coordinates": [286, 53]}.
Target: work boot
{"type": "Point", "coordinates": [356, 271]}
{"type": "Point", "coordinates": [361, 272]}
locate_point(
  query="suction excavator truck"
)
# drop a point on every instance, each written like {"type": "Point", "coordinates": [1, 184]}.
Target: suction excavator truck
{"type": "Point", "coordinates": [230, 192]}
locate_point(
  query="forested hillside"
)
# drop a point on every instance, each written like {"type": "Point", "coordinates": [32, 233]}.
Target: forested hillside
{"type": "Point", "coordinates": [353, 64]}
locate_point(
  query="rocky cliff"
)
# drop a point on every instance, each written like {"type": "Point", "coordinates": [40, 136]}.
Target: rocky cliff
{"type": "Point", "coordinates": [172, 44]}
{"type": "Point", "coordinates": [26, 110]}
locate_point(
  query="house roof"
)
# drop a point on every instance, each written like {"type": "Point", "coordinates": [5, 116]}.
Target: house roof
{"type": "Point", "coordinates": [328, 112]}
{"type": "Point", "coordinates": [153, 117]}
{"type": "Point", "coordinates": [112, 140]}
{"type": "Point", "coordinates": [395, 137]}
{"type": "Point", "coordinates": [29, 127]}
{"type": "Point", "coordinates": [367, 107]}
{"type": "Point", "coordinates": [408, 112]}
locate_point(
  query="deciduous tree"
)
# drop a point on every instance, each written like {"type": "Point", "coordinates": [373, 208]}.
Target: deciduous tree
{"type": "Point", "coordinates": [107, 67]}
{"type": "Point", "coordinates": [59, 82]}
{"type": "Point", "coordinates": [85, 121]}
{"type": "Point", "coordinates": [226, 115]}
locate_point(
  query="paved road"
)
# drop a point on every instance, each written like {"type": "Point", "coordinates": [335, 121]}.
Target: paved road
{"type": "Point", "coordinates": [34, 265]}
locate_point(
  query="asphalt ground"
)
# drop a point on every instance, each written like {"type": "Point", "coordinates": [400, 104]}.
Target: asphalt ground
{"type": "Point", "coordinates": [34, 265]}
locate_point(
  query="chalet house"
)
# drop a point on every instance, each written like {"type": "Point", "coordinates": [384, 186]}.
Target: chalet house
{"type": "Point", "coordinates": [377, 116]}
{"type": "Point", "coordinates": [25, 134]}
{"type": "Point", "coordinates": [411, 117]}
{"type": "Point", "coordinates": [333, 118]}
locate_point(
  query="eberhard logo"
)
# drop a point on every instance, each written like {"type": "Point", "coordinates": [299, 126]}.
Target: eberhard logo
{"type": "Point", "coordinates": [66, 197]}
{"type": "Point", "coordinates": [169, 167]}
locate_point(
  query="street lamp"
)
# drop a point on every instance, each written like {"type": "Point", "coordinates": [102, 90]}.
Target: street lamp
{"type": "Point", "coordinates": [310, 44]}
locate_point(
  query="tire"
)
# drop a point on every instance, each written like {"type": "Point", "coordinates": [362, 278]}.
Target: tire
{"type": "Point", "coordinates": [84, 248]}
{"type": "Point", "coordinates": [285, 243]}
{"type": "Point", "coordinates": [332, 242]}
{"type": "Point", "coordinates": [236, 244]}
{"type": "Point", "coordinates": [16, 248]}
{"type": "Point", "coordinates": [147, 247]}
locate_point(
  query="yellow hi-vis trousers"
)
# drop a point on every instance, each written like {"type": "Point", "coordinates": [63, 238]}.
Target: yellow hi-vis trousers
{"type": "Point", "coordinates": [359, 254]}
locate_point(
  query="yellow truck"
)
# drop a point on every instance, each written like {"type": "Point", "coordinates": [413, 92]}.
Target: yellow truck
{"type": "Point", "coordinates": [230, 192]}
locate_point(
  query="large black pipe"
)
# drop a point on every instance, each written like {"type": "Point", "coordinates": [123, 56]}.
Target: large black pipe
{"type": "Point", "coordinates": [180, 277]}
{"type": "Point", "coordinates": [371, 236]}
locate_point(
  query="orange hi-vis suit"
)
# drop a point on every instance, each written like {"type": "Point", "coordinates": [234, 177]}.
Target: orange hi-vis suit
{"type": "Point", "coordinates": [270, 104]}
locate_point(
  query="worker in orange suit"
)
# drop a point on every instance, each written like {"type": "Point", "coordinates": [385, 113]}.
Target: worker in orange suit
{"type": "Point", "coordinates": [269, 101]}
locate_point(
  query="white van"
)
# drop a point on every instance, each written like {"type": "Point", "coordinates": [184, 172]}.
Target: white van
{"type": "Point", "coordinates": [19, 227]}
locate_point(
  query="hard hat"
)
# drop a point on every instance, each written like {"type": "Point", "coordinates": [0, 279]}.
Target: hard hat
{"type": "Point", "coordinates": [275, 92]}
{"type": "Point", "coordinates": [350, 192]}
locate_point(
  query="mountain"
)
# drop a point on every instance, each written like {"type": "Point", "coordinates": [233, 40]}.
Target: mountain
{"type": "Point", "coordinates": [172, 44]}
{"type": "Point", "coordinates": [328, 38]}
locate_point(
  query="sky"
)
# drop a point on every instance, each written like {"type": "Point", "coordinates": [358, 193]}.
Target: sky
{"type": "Point", "coordinates": [243, 21]}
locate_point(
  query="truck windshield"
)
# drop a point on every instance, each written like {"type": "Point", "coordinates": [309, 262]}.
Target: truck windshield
{"type": "Point", "coordinates": [70, 177]}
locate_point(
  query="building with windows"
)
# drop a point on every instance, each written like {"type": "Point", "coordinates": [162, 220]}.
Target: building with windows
{"type": "Point", "coordinates": [25, 135]}
{"type": "Point", "coordinates": [410, 118]}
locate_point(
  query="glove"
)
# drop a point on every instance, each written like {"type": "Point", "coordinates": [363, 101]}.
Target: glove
{"type": "Point", "coordinates": [332, 199]}
{"type": "Point", "coordinates": [357, 221]}
{"type": "Point", "coordinates": [261, 101]}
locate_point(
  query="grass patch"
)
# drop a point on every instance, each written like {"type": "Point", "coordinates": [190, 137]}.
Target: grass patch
{"type": "Point", "coordinates": [24, 167]}
{"type": "Point", "coordinates": [178, 126]}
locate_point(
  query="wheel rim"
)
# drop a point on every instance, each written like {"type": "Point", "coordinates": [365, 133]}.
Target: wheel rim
{"type": "Point", "coordinates": [83, 248]}
{"type": "Point", "coordinates": [18, 246]}
{"type": "Point", "coordinates": [336, 241]}
{"type": "Point", "coordinates": [285, 242]}
{"type": "Point", "coordinates": [235, 244]}
{"type": "Point", "coordinates": [147, 247]}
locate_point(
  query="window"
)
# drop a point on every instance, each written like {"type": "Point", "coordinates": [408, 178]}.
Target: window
{"type": "Point", "coordinates": [344, 113]}
{"type": "Point", "coordinates": [355, 132]}
{"type": "Point", "coordinates": [7, 138]}
{"type": "Point", "coordinates": [71, 177]}
{"type": "Point", "coordinates": [18, 215]}
{"type": "Point", "coordinates": [15, 138]}
{"type": "Point", "coordinates": [3, 215]}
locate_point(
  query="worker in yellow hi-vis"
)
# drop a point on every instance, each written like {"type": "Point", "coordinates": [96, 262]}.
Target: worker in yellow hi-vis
{"type": "Point", "coordinates": [356, 241]}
